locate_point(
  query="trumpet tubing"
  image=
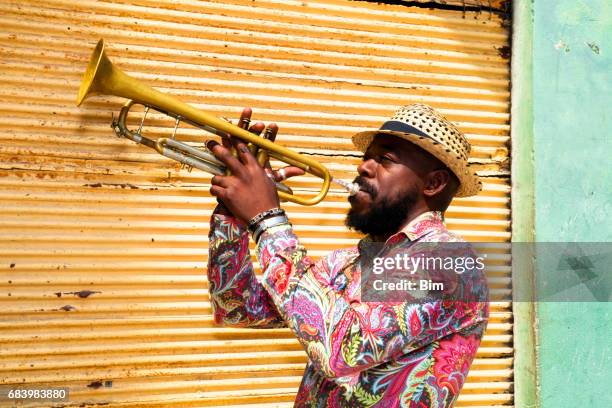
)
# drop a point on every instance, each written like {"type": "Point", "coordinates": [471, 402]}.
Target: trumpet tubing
{"type": "Point", "coordinates": [103, 78]}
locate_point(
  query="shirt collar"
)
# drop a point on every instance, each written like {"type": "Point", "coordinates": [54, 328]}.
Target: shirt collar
{"type": "Point", "coordinates": [420, 226]}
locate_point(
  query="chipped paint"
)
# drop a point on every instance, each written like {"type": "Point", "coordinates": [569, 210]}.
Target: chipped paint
{"type": "Point", "coordinates": [83, 294]}
{"type": "Point", "coordinates": [594, 47]}
{"type": "Point", "coordinates": [95, 384]}
{"type": "Point", "coordinates": [504, 51]}
{"type": "Point", "coordinates": [562, 45]}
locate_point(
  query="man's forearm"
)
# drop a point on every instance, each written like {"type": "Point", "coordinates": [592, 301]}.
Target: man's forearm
{"type": "Point", "coordinates": [237, 298]}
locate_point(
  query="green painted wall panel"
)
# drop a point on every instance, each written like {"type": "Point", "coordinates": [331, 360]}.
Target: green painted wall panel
{"type": "Point", "coordinates": [572, 87]}
{"type": "Point", "coordinates": [572, 90]}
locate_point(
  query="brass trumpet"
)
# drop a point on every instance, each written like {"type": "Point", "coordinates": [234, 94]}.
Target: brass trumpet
{"type": "Point", "coordinates": [102, 78]}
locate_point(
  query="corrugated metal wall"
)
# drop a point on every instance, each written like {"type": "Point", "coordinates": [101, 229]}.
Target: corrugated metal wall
{"type": "Point", "coordinates": [103, 243]}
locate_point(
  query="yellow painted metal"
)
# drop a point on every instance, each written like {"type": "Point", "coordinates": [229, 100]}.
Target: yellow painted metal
{"type": "Point", "coordinates": [103, 244]}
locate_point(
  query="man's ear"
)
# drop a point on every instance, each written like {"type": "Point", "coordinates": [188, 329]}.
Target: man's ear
{"type": "Point", "coordinates": [435, 182]}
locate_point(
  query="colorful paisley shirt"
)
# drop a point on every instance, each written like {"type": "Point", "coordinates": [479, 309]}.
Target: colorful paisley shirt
{"type": "Point", "coordinates": [361, 354]}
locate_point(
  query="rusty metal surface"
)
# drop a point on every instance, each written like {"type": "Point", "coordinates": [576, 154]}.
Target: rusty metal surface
{"type": "Point", "coordinates": [104, 243]}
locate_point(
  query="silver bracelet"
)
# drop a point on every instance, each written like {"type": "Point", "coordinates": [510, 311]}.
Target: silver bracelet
{"type": "Point", "coordinates": [268, 223]}
{"type": "Point", "coordinates": [262, 215]}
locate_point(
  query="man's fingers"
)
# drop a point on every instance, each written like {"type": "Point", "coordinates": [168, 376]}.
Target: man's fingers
{"type": "Point", "coordinates": [257, 128]}
{"type": "Point", "coordinates": [243, 123]}
{"type": "Point", "coordinates": [224, 154]}
{"type": "Point", "coordinates": [243, 152]}
{"type": "Point", "coordinates": [287, 172]}
{"type": "Point", "coordinates": [226, 142]}
{"type": "Point", "coordinates": [218, 192]}
{"type": "Point", "coordinates": [246, 157]}
{"type": "Point", "coordinates": [221, 181]}
{"type": "Point", "coordinates": [245, 118]}
{"type": "Point", "coordinates": [271, 132]}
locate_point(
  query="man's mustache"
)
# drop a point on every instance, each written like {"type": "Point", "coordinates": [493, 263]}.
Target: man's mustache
{"type": "Point", "coordinates": [365, 186]}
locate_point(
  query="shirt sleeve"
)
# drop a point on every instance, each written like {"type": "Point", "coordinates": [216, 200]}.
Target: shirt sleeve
{"type": "Point", "coordinates": [342, 335]}
{"type": "Point", "coordinates": [237, 297]}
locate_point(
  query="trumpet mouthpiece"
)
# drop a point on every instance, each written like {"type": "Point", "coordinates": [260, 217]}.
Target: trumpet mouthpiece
{"type": "Point", "coordinates": [352, 188]}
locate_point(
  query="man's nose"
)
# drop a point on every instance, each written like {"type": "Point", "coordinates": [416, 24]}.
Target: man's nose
{"type": "Point", "coordinates": [367, 168]}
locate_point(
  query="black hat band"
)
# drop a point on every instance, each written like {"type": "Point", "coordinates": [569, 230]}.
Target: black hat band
{"type": "Point", "coordinates": [398, 126]}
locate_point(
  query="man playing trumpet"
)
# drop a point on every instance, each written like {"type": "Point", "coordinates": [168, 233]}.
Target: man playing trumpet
{"type": "Point", "coordinates": [414, 351]}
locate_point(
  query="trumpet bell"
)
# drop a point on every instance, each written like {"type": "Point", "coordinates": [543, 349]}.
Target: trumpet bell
{"type": "Point", "coordinates": [96, 71]}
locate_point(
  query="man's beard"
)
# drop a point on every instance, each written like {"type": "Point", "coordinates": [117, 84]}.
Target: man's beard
{"type": "Point", "coordinates": [385, 218]}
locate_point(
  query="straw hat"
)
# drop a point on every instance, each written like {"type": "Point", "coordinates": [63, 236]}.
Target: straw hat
{"type": "Point", "coordinates": [422, 125]}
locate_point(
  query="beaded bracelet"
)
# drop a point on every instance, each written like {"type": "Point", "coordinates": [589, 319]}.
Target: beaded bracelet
{"type": "Point", "coordinates": [263, 215]}
{"type": "Point", "coordinates": [268, 223]}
